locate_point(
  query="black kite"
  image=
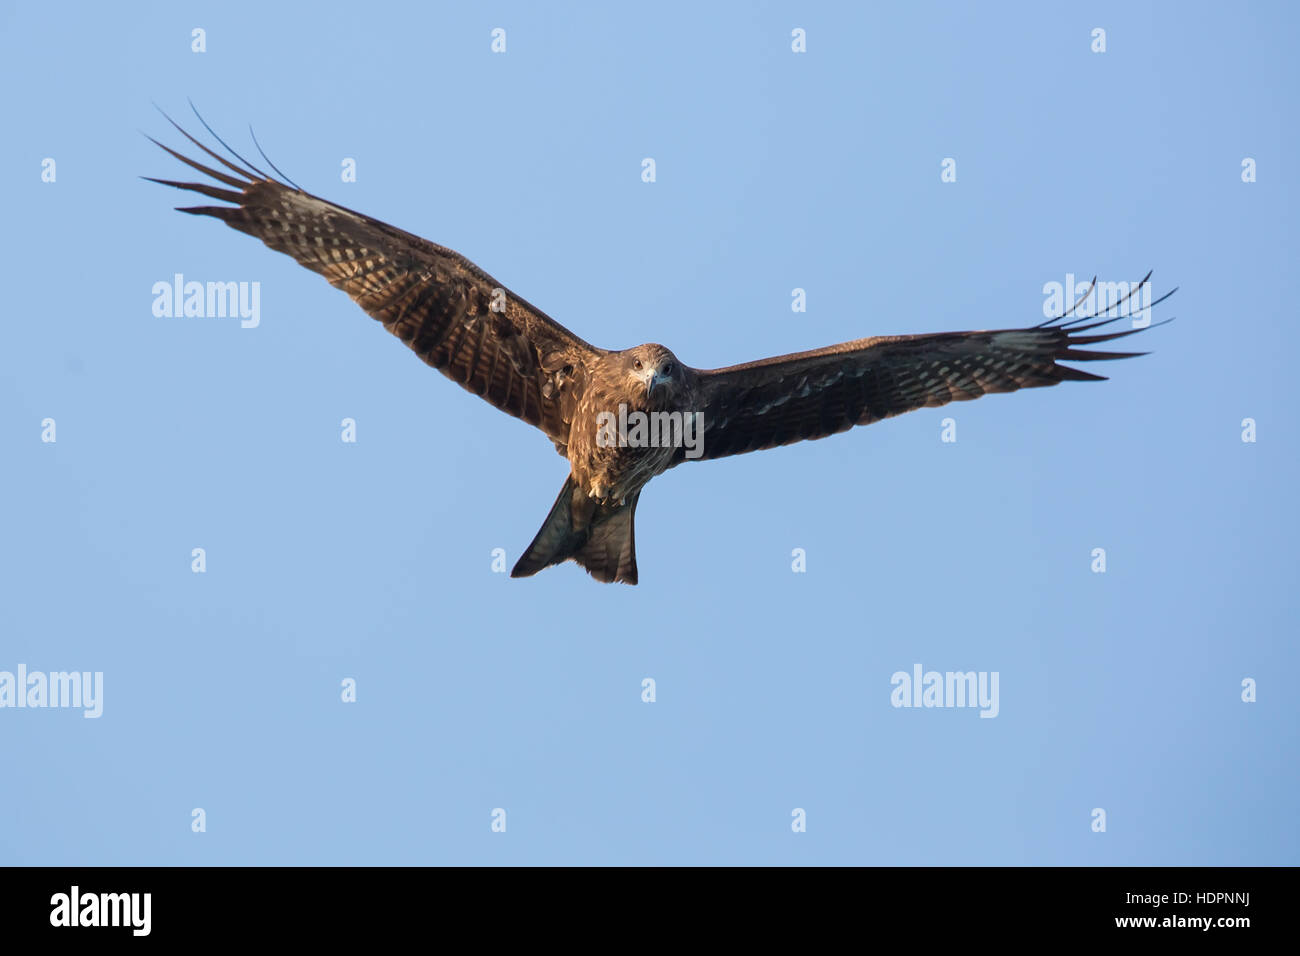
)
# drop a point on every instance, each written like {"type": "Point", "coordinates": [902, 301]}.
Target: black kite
{"type": "Point", "coordinates": [462, 322]}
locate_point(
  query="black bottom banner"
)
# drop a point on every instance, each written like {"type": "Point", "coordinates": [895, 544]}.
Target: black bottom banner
{"type": "Point", "coordinates": [336, 905]}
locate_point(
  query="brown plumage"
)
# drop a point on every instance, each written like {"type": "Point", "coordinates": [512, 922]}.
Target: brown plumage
{"type": "Point", "coordinates": [462, 322]}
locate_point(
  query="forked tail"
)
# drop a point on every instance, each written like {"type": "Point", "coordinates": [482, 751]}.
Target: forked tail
{"type": "Point", "coordinates": [599, 537]}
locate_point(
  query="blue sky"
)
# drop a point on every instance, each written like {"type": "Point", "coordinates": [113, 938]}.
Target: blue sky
{"type": "Point", "coordinates": [774, 171]}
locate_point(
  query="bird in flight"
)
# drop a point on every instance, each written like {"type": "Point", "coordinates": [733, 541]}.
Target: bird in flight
{"type": "Point", "coordinates": [622, 417]}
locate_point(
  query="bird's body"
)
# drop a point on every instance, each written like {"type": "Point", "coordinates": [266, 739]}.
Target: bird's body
{"type": "Point", "coordinates": [622, 417]}
{"type": "Point", "coordinates": [609, 464]}
{"type": "Point", "coordinates": [610, 470]}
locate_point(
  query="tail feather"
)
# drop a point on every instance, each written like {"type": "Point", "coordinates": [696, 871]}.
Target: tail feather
{"type": "Point", "coordinates": [610, 551]}
{"type": "Point", "coordinates": [600, 538]}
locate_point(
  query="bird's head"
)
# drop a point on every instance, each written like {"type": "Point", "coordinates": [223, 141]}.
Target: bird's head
{"type": "Point", "coordinates": [653, 368]}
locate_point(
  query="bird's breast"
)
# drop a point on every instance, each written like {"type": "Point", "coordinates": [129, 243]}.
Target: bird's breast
{"type": "Point", "coordinates": [617, 445]}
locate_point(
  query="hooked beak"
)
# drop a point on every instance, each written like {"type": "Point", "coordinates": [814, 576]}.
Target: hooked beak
{"type": "Point", "coordinates": [656, 379]}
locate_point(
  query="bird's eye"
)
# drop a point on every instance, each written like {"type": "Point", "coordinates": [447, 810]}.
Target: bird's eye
{"type": "Point", "coordinates": [637, 365]}
{"type": "Point", "coordinates": [668, 368]}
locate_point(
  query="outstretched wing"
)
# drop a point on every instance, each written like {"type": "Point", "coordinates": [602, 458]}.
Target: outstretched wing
{"type": "Point", "coordinates": [808, 395]}
{"type": "Point", "coordinates": [453, 315]}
